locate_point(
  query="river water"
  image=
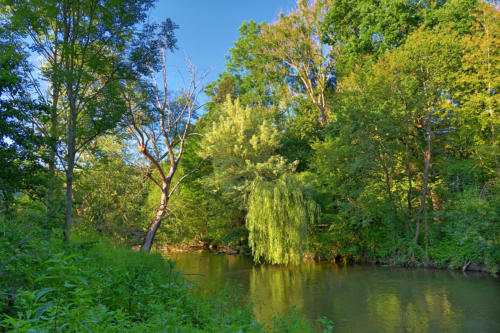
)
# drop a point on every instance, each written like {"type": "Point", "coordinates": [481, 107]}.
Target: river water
{"type": "Point", "coordinates": [359, 298]}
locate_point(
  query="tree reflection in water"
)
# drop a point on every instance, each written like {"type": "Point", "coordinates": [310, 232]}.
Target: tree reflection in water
{"type": "Point", "coordinates": [356, 298]}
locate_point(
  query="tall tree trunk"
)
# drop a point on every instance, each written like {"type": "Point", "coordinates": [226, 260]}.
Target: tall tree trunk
{"type": "Point", "coordinates": [435, 205]}
{"type": "Point", "coordinates": [155, 224]}
{"type": "Point", "coordinates": [386, 177]}
{"type": "Point", "coordinates": [70, 131]}
{"type": "Point", "coordinates": [427, 160]}
{"type": "Point", "coordinates": [323, 115]}
{"type": "Point", "coordinates": [51, 207]}
{"type": "Point", "coordinates": [408, 168]}
{"type": "Point", "coordinates": [409, 193]}
{"type": "Point", "coordinates": [71, 137]}
{"type": "Point", "coordinates": [426, 225]}
{"type": "Point", "coordinates": [389, 191]}
{"type": "Point", "coordinates": [69, 198]}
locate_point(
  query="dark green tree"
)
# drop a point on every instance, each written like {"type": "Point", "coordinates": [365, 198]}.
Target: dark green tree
{"type": "Point", "coordinates": [364, 30]}
{"type": "Point", "coordinates": [21, 149]}
{"type": "Point", "coordinates": [81, 45]}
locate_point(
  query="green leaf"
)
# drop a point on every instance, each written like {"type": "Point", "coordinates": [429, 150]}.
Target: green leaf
{"type": "Point", "coordinates": [83, 280]}
{"type": "Point", "coordinates": [41, 310]}
{"type": "Point", "coordinates": [43, 292]}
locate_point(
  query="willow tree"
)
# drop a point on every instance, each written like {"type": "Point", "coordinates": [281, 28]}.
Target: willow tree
{"type": "Point", "coordinates": [279, 214]}
{"type": "Point", "coordinates": [243, 144]}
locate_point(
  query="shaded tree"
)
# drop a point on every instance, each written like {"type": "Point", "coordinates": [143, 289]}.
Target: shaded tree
{"type": "Point", "coordinates": [81, 47]}
{"type": "Point", "coordinates": [21, 149]}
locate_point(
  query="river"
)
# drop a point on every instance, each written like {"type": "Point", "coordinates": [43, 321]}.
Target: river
{"type": "Point", "coordinates": [357, 298]}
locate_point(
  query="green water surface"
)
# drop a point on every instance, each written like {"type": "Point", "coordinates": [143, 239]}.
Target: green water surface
{"type": "Point", "coordinates": [360, 298]}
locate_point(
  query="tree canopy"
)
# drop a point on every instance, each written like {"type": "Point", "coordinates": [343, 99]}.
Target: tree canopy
{"type": "Point", "coordinates": [344, 130]}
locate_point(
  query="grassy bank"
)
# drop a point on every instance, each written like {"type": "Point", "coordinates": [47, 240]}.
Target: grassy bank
{"type": "Point", "coordinates": [94, 286]}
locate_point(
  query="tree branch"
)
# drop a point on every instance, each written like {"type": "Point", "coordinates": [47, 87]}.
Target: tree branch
{"type": "Point", "coordinates": [187, 175]}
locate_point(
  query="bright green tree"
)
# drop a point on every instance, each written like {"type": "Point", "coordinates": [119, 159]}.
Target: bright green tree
{"type": "Point", "coordinates": [279, 214]}
{"type": "Point", "coordinates": [110, 192]}
{"type": "Point", "coordinates": [477, 87]}
{"type": "Point", "coordinates": [243, 144]}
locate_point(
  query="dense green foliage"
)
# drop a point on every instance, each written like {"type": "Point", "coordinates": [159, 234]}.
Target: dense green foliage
{"type": "Point", "coordinates": [243, 145]}
{"type": "Point", "coordinates": [278, 218]}
{"type": "Point", "coordinates": [354, 131]}
{"type": "Point", "coordinates": [106, 177]}
{"type": "Point", "coordinates": [95, 286]}
{"type": "Point", "coordinates": [411, 99]}
{"type": "Point", "coordinates": [20, 146]}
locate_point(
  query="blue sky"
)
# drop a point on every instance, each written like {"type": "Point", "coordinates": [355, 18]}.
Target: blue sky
{"type": "Point", "coordinates": [209, 28]}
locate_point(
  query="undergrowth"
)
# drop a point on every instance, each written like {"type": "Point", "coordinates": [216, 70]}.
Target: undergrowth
{"type": "Point", "coordinates": [94, 286]}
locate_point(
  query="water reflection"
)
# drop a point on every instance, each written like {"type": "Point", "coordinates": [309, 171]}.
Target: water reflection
{"type": "Point", "coordinates": [356, 298]}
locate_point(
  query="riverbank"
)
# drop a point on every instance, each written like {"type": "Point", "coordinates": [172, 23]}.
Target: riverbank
{"type": "Point", "coordinates": [95, 286]}
{"type": "Point", "coordinates": [225, 250]}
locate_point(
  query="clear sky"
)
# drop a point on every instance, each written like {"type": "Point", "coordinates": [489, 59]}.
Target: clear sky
{"type": "Point", "coordinates": [209, 28]}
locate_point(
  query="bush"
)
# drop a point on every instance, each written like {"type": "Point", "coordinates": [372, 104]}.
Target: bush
{"type": "Point", "coordinates": [471, 233]}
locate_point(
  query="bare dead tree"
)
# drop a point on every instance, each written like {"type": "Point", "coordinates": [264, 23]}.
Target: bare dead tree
{"type": "Point", "coordinates": [160, 128]}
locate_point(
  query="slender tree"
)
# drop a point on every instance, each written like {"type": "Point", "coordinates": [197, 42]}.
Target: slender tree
{"type": "Point", "coordinates": [477, 87]}
{"type": "Point", "coordinates": [160, 124]}
{"type": "Point", "coordinates": [80, 45]}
